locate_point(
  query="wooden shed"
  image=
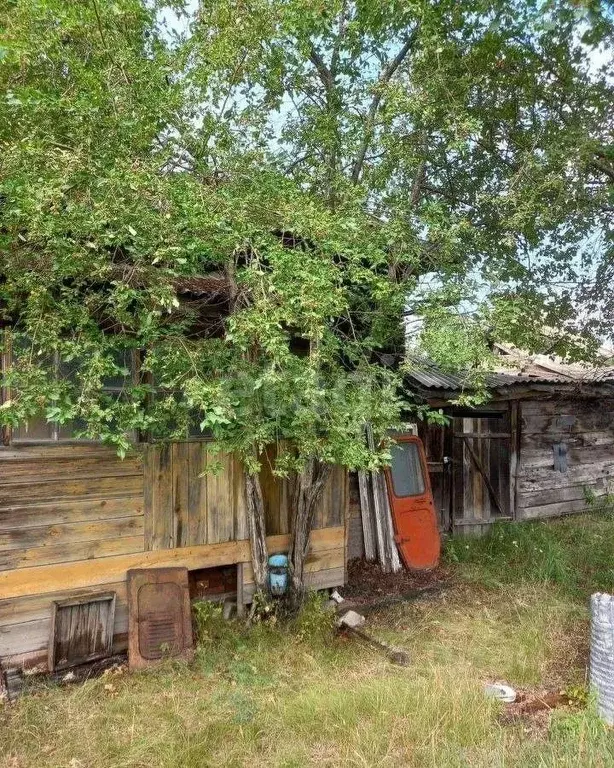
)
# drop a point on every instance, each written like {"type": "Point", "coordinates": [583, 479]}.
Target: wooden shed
{"type": "Point", "coordinates": [541, 446]}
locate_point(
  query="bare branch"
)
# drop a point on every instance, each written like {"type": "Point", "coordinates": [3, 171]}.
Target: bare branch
{"type": "Point", "coordinates": [334, 60]}
{"type": "Point", "coordinates": [323, 71]}
{"type": "Point", "coordinates": [300, 159]}
{"type": "Point", "coordinates": [416, 188]}
{"type": "Point", "coordinates": [602, 167]}
{"type": "Point", "coordinates": [383, 80]}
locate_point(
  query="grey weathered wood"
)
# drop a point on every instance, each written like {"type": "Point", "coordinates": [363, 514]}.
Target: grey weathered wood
{"type": "Point", "coordinates": [514, 446]}
{"type": "Point", "coordinates": [485, 478]}
{"type": "Point", "coordinates": [561, 494]}
{"type": "Point", "coordinates": [366, 513]}
{"type": "Point", "coordinates": [586, 427]}
{"type": "Point", "coordinates": [240, 593]}
{"type": "Point", "coordinates": [559, 509]}
{"type": "Point", "coordinates": [479, 523]}
{"type": "Point", "coordinates": [81, 630]}
{"type": "Point", "coordinates": [469, 510]}
{"type": "Point", "coordinates": [484, 435]}
{"type": "Point", "coordinates": [377, 509]}
{"type": "Point", "coordinates": [181, 493]}
{"type": "Point", "coordinates": [384, 531]}
{"type": "Point", "coordinates": [392, 552]}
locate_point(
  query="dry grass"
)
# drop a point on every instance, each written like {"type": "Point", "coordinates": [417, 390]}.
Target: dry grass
{"type": "Point", "coordinates": [296, 696]}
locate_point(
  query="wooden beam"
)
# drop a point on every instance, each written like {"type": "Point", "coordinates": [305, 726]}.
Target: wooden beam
{"type": "Point", "coordinates": [240, 595]}
{"type": "Point", "coordinates": [490, 521]}
{"type": "Point", "coordinates": [484, 435]}
{"type": "Point", "coordinates": [84, 573]}
{"type": "Point", "coordinates": [514, 454]}
{"type": "Point", "coordinates": [366, 514]}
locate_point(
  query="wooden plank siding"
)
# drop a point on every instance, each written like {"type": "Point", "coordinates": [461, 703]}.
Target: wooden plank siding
{"type": "Point", "coordinates": [68, 503]}
{"type": "Point", "coordinates": [27, 594]}
{"type": "Point", "coordinates": [187, 506]}
{"type": "Point", "coordinates": [586, 428]}
{"type": "Point", "coordinates": [75, 518]}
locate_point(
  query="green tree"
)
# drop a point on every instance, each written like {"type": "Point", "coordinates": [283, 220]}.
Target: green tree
{"type": "Point", "coordinates": [317, 158]}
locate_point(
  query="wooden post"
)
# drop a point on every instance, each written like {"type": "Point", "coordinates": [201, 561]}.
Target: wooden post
{"type": "Point", "coordinates": [514, 454]}
{"type": "Point", "coordinates": [240, 595]}
{"type": "Point", "coordinates": [448, 477]}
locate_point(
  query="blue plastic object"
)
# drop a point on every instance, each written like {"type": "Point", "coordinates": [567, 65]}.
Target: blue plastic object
{"type": "Point", "coordinates": [278, 574]}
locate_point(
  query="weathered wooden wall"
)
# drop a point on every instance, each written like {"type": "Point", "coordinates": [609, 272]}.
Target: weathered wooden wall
{"type": "Point", "coordinates": [186, 506]}
{"type": "Point", "coordinates": [276, 492]}
{"type": "Point", "coordinates": [586, 428]}
{"type": "Point", "coordinates": [75, 519]}
{"type": "Point", "coordinates": [356, 541]}
{"type": "Point", "coordinates": [437, 444]}
{"type": "Point", "coordinates": [63, 511]}
{"type": "Point", "coordinates": [516, 451]}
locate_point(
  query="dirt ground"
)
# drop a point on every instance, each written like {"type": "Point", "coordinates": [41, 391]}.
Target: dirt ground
{"type": "Point", "coordinates": [366, 582]}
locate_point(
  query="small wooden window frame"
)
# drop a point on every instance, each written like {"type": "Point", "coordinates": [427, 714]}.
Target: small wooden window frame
{"type": "Point", "coordinates": [186, 437]}
{"type": "Point", "coordinates": [55, 438]}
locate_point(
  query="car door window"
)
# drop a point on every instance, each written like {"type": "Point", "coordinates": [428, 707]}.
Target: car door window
{"type": "Point", "coordinates": [406, 470]}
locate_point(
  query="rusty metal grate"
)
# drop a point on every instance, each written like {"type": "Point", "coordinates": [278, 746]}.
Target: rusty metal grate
{"type": "Point", "coordinates": [159, 615]}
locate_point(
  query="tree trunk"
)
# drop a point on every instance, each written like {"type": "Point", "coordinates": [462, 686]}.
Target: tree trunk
{"type": "Point", "coordinates": [257, 530]}
{"type": "Point", "coordinates": [307, 491]}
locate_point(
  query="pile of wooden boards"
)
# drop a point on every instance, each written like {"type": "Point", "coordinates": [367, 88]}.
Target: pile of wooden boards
{"type": "Point", "coordinates": [377, 529]}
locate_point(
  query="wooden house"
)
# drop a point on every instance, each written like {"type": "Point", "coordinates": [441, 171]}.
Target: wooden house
{"type": "Point", "coordinates": [75, 518]}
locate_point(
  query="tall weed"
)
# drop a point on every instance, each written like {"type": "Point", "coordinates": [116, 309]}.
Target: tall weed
{"type": "Point", "coordinates": [576, 554]}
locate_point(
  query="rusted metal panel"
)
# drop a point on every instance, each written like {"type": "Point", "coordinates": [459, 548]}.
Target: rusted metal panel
{"type": "Point", "coordinates": [159, 621]}
{"type": "Point", "coordinates": [81, 630]}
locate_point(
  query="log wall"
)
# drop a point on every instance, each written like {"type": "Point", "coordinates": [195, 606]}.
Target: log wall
{"type": "Point", "coordinates": [74, 519]}
{"type": "Point", "coordinates": [585, 431]}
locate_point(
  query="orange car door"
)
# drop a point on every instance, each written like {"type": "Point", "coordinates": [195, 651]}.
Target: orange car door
{"type": "Point", "coordinates": [411, 503]}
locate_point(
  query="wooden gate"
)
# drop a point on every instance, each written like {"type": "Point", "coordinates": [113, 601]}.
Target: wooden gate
{"type": "Point", "coordinates": [483, 467]}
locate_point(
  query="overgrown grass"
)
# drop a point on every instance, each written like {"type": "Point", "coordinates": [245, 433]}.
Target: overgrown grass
{"type": "Point", "coordinates": [297, 695]}
{"type": "Point", "coordinates": [574, 553]}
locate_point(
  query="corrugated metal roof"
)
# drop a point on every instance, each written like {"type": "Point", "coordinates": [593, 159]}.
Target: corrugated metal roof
{"type": "Point", "coordinates": [600, 375]}
{"type": "Point", "coordinates": [428, 375]}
